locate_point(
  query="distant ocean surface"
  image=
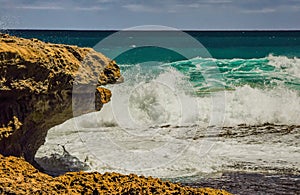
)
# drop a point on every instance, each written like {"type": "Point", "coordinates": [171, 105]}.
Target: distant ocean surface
{"type": "Point", "coordinates": [236, 109]}
{"type": "Point", "coordinates": [220, 44]}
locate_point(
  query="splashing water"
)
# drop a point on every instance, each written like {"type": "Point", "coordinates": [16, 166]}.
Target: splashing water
{"type": "Point", "coordinates": [158, 121]}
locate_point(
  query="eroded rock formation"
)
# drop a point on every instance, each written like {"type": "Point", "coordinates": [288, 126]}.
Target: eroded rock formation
{"type": "Point", "coordinates": [19, 177]}
{"type": "Point", "coordinates": [40, 83]}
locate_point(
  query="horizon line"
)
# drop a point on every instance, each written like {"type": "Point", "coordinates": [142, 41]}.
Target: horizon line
{"type": "Point", "coordinates": [214, 30]}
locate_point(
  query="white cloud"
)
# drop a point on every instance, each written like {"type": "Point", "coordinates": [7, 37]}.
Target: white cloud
{"type": "Point", "coordinates": [54, 7]}
{"type": "Point", "coordinates": [140, 8]}
{"type": "Point", "coordinates": [93, 8]}
{"type": "Point", "coordinates": [40, 7]}
{"type": "Point", "coordinates": [258, 11]}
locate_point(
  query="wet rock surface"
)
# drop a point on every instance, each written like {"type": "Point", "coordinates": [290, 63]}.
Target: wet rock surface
{"type": "Point", "coordinates": [252, 183]}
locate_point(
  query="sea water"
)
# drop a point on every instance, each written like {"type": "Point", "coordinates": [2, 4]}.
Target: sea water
{"type": "Point", "coordinates": [236, 109]}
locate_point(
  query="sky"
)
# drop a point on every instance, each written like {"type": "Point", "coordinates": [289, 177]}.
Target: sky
{"type": "Point", "coordinates": [122, 14]}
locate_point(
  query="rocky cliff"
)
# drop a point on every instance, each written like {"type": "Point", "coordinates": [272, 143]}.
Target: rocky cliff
{"type": "Point", "coordinates": [40, 83]}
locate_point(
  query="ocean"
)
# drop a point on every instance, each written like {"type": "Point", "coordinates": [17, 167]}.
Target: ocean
{"type": "Point", "coordinates": [194, 105]}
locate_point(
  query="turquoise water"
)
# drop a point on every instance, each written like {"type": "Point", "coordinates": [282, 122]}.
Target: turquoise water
{"type": "Point", "coordinates": [260, 59]}
{"type": "Point", "coordinates": [221, 44]}
{"type": "Point", "coordinates": [257, 73]}
{"type": "Point", "coordinates": [258, 70]}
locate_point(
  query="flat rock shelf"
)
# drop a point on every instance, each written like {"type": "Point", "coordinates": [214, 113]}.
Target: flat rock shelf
{"type": "Point", "coordinates": [252, 183]}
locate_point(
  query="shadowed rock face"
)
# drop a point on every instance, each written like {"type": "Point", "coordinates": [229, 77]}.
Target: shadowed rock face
{"type": "Point", "coordinates": [39, 84]}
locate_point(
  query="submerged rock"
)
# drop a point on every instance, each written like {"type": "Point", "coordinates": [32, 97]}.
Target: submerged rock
{"type": "Point", "coordinates": [19, 177]}
{"type": "Point", "coordinates": [39, 84]}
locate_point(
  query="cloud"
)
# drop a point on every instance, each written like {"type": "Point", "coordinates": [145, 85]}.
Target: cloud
{"type": "Point", "coordinates": [172, 6]}
{"type": "Point", "coordinates": [265, 4]}
{"type": "Point", "coordinates": [79, 5]}
{"type": "Point", "coordinates": [140, 8]}
{"type": "Point", "coordinates": [258, 11]}
{"type": "Point", "coordinates": [40, 7]}
{"type": "Point", "coordinates": [208, 14]}
{"type": "Point", "coordinates": [93, 8]}
{"type": "Point", "coordinates": [154, 6]}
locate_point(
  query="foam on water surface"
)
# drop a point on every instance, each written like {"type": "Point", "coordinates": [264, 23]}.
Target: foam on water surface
{"type": "Point", "coordinates": [159, 121]}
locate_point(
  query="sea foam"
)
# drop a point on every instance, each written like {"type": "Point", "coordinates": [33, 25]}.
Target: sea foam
{"type": "Point", "coordinates": [158, 124]}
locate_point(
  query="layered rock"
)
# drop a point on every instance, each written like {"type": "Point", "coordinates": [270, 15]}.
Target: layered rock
{"type": "Point", "coordinates": [19, 177]}
{"type": "Point", "coordinates": [41, 84]}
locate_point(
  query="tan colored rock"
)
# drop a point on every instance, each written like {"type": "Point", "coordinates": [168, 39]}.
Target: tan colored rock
{"type": "Point", "coordinates": [18, 177]}
{"type": "Point", "coordinates": [39, 84]}
{"type": "Point", "coordinates": [102, 96]}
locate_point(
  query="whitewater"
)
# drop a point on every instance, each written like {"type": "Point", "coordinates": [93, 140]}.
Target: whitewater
{"type": "Point", "coordinates": [186, 119]}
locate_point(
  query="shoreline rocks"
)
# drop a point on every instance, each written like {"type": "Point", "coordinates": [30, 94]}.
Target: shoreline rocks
{"type": "Point", "coordinates": [19, 177]}
{"type": "Point", "coordinates": [40, 83]}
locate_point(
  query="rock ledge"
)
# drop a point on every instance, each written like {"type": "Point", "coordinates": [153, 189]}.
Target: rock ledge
{"type": "Point", "coordinates": [40, 83]}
